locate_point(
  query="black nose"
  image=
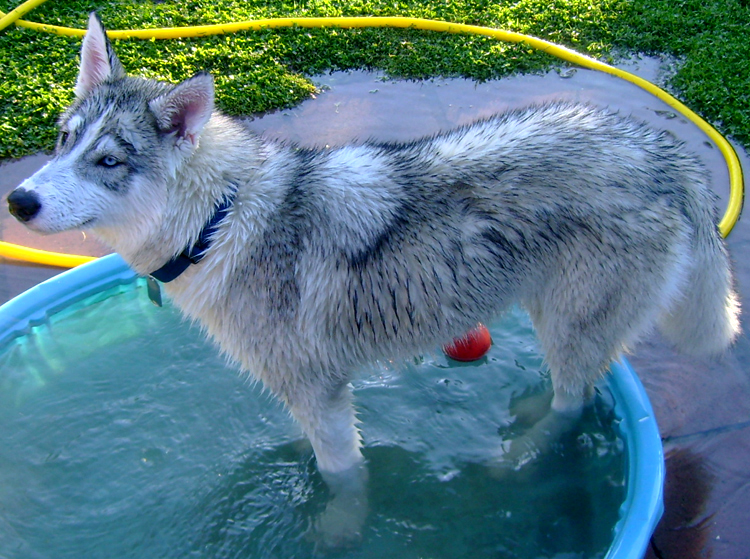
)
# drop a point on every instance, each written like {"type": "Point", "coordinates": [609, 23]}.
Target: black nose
{"type": "Point", "coordinates": [23, 204]}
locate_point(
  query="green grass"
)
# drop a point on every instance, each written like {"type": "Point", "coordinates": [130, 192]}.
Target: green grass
{"type": "Point", "coordinates": [258, 71]}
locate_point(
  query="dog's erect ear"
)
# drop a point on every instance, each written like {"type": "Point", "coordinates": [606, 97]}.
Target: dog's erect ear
{"type": "Point", "coordinates": [98, 60]}
{"type": "Point", "coordinates": [185, 110]}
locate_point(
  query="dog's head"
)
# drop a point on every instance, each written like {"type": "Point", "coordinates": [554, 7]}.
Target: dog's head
{"type": "Point", "coordinates": [120, 143]}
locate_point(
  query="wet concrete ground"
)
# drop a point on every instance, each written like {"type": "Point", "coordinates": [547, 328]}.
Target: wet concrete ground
{"type": "Point", "coordinates": [702, 406]}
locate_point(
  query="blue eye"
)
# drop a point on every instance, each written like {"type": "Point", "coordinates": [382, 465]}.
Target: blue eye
{"type": "Point", "coordinates": [109, 161]}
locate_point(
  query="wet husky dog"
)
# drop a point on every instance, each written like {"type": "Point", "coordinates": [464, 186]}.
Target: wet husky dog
{"type": "Point", "coordinates": [305, 264]}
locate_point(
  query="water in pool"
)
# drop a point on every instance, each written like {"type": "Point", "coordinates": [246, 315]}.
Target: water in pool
{"type": "Point", "coordinates": [126, 435]}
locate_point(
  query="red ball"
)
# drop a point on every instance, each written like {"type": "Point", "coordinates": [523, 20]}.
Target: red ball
{"type": "Point", "coordinates": [474, 345]}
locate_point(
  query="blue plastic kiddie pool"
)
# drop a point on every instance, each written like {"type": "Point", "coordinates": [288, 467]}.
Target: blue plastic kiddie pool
{"type": "Point", "coordinates": [124, 430]}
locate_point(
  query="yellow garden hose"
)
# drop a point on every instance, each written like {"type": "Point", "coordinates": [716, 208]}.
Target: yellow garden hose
{"type": "Point", "coordinates": [736, 183]}
{"type": "Point", "coordinates": [15, 15]}
{"type": "Point", "coordinates": [36, 256]}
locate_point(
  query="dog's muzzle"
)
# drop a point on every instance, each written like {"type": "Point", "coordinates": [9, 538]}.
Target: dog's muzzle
{"type": "Point", "coordinates": [24, 204]}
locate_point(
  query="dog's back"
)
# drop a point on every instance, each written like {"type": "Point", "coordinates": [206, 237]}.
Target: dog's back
{"type": "Point", "coordinates": [600, 226]}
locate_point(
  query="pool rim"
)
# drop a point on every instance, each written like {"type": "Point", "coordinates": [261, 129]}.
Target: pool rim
{"type": "Point", "coordinates": [640, 511]}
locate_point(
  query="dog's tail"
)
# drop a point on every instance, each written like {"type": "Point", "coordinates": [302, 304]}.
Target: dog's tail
{"type": "Point", "coordinates": [704, 319]}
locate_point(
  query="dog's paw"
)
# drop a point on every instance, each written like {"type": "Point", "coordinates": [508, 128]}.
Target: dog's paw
{"type": "Point", "coordinates": [513, 456]}
{"type": "Point", "coordinates": [340, 525]}
{"type": "Point", "coordinates": [525, 449]}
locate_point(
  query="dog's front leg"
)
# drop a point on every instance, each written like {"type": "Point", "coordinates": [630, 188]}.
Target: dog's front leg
{"type": "Point", "coordinates": [329, 421]}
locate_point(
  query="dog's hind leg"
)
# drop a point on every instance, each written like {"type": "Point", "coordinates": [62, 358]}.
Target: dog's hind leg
{"type": "Point", "coordinates": [329, 421]}
{"type": "Point", "coordinates": [572, 389]}
{"type": "Point", "coordinates": [583, 323]}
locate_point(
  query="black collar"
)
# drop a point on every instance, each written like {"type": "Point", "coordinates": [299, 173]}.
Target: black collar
{"type": "Point", "coordinates": [195, 253]}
